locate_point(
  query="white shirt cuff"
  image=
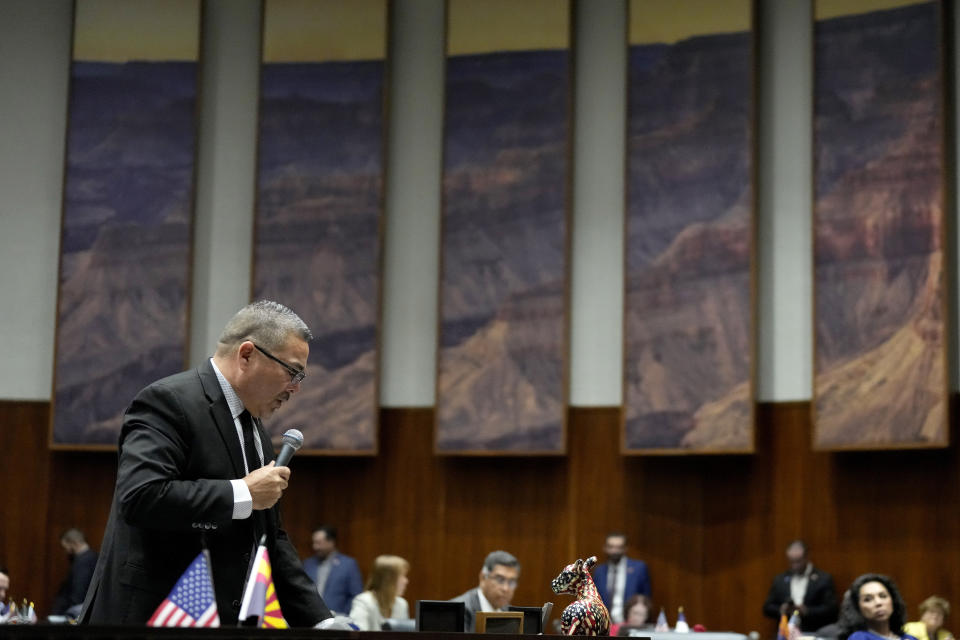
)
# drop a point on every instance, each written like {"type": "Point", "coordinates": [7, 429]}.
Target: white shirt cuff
{"type": "Point", "coordinates": [242, 500]}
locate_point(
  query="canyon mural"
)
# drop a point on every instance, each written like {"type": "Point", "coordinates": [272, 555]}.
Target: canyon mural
{"type": "Point", "coordinates": [501, 376]}
{"type": "Point", "coordinates": [688, 324]}
{"type": "Point", "coordinates": [880, 316]}
{"type": "Point", "coordinates": [124, 278]}
{"type": "Point", "coordinates": [319, 206]}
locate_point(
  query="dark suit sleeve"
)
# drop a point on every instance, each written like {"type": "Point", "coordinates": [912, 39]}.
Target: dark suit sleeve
{"type": "Point", "coordinates": [80, 577]}
{"type": "Point", "coordinates": [302, 606]}
{"type": "Point", "coordinates": [771, 607]}
{"type": "Point", "coordinates": [471, 603]}
{"type": "Point", "coordinates": [823, 609]}
{"type": "Point", "coordinates": [61, 601]}
{"type": "Point", "coordinates": [155, 440]}
{"type": "Point", "coordinates": [74, 587]}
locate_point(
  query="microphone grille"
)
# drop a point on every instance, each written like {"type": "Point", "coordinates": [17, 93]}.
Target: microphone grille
{"type": "Point", "coordinates": [294, 438]}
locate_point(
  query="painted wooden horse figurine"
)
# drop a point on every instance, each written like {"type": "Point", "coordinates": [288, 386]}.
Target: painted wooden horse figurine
{"type": "Point", "coordinates": [587, 615]}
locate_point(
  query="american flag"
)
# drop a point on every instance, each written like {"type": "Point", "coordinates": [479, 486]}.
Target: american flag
{"type": "Point", "coordinates": [192, 602]}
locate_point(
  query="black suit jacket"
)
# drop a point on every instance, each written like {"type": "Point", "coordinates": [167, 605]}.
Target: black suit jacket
{"type": "Point", "coordinates": [820, 599]}
{"type": "Point", "coordinates": [178, 450]}
{"type": "Point", "coordinates": [471, 604]}
{"type": "Point", "coordinates": [74, 587]}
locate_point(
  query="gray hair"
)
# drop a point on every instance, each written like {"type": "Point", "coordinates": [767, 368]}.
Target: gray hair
{"type": "Point", "coordinates": [499, 557]}
{"type": "Point", "coordinates": [267, 323]}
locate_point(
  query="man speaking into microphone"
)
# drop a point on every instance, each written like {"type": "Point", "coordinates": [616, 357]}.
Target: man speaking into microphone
{"type": "Point", "coordinates": [196, 468]}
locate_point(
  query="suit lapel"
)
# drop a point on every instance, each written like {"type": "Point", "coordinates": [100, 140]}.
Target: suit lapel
{"type": "Point", "coordinates": [220, 412]}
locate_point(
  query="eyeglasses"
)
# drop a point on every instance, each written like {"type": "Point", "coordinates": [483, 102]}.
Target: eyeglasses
{"type": "Point", "coordinates": [296, 375]}
{"type": "Point", "coordinates": [502, 580]}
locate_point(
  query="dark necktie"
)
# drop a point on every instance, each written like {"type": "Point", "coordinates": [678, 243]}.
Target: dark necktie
{"type": "Point", "coordinates": [249, 450]}
{"type": "Point", "coordinates": [612, 581]}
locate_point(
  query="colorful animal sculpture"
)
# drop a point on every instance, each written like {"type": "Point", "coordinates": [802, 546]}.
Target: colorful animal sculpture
{"type": "Point", "coordinates": [587, 615]}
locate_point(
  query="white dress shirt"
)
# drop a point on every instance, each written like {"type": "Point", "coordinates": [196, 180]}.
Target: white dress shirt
{"type": "Point", "coordinates": [798, 585]}
{"type": "Point", "coordinates": [619, 573]}
{"type": "Point", "coordinates": [485, 604]}
{"type": "Point", "coordinates": [242, 500]}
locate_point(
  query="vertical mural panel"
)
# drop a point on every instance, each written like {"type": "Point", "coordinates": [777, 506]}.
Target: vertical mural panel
{"type": "Point", "coordinates": [501, 369]}
{"type": "Point", "coordinates": [318, 239]}
{"type": "Point", "coordinates": [880, 321]}
{"type": "Point", "coordinates": [689, 299]}
{"type": "Point", "coordinates": [125, 250]}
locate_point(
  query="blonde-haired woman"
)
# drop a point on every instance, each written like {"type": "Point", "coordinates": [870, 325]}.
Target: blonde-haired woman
{"type": "Point", "coordinates": [933, 610]}
{"type": "Point", "coordinates": [383, 597]}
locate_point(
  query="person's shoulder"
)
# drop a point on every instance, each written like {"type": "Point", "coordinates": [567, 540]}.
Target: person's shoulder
{"type": "Point", "coordinates": [780, 577]}
{"type": "Point", "coordinates": [179, 379]}
{"type": "Point", "coordinates": [89, 556]}
{"type": "Point", "coordinates": [172, 388]}
{"type": "Point", "coordinates": [913, 628]}
{"type": "Point", "coordinates": [820, 573]}
{"type": "Point", "coordinates": [466, 595]}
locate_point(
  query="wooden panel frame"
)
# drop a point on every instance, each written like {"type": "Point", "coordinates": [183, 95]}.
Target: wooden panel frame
{"type": "Point", "coordinates": [880, 314]}
{"type": "Point", "coordinates": [503, 299]}
{"type": "Point", "coordinates": [126, 249]}
{"type": "Point", "coordinates": [504, 621]}
{"type": "Point", "coordinates": [689, 326]}
{"type": "Point", "coordinates": [318, 228]}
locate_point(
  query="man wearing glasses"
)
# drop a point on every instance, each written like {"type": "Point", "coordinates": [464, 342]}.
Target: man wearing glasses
{"type": "Point", "coordinates": [498, 582]}
{"type": "Point", "coordinates": [196, 470]}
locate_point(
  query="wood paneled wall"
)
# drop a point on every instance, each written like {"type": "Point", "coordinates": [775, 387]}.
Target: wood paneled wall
{"type": "Point", "coordinates": [712, 528]}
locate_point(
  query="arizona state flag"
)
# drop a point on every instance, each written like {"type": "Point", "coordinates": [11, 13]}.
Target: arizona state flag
{"type": "Point", "coordinates": [260, 596]}
{"type": "Point", "coordinates": [783, 629]}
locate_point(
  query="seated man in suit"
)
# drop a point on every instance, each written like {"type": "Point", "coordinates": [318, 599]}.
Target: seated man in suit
{"type": "Point", "coordinates": [83, 560]}
{"type": "Point", "coordinates": [620, 577]}
{"type": "Point", "coordinates": [336, 575]}
{"type": "Point", "coordinates": [498, 582]}
{"type": "Point", "coordinates": [803, 588]}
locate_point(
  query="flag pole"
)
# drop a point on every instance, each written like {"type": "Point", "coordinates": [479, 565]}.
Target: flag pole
{"type": "Point", "coordinates": [248, 584]}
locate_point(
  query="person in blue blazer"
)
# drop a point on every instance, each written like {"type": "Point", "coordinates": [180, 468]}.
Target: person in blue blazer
{"type": "Point", "coordinates": [336, 575]}
{"type": "Point", "coordinates": [620, 577]}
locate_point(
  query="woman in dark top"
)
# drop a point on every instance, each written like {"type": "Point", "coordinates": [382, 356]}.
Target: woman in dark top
{"type": "Point", "coordinates": [873, 609]}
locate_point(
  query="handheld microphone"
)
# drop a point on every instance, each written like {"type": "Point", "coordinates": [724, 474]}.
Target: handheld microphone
{"type": "Point", "coordinates": [292, 441]}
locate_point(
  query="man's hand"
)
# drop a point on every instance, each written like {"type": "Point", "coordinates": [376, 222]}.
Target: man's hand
{"type": "Point", "coordinates": [266, 485]}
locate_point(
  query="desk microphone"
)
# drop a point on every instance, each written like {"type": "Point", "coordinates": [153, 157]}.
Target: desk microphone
{"type": "Point", "coordinates": [292, 441]}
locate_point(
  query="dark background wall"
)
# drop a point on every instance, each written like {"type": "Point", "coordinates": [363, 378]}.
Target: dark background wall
{"type": "Point", "coordinates": [712, 528]}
